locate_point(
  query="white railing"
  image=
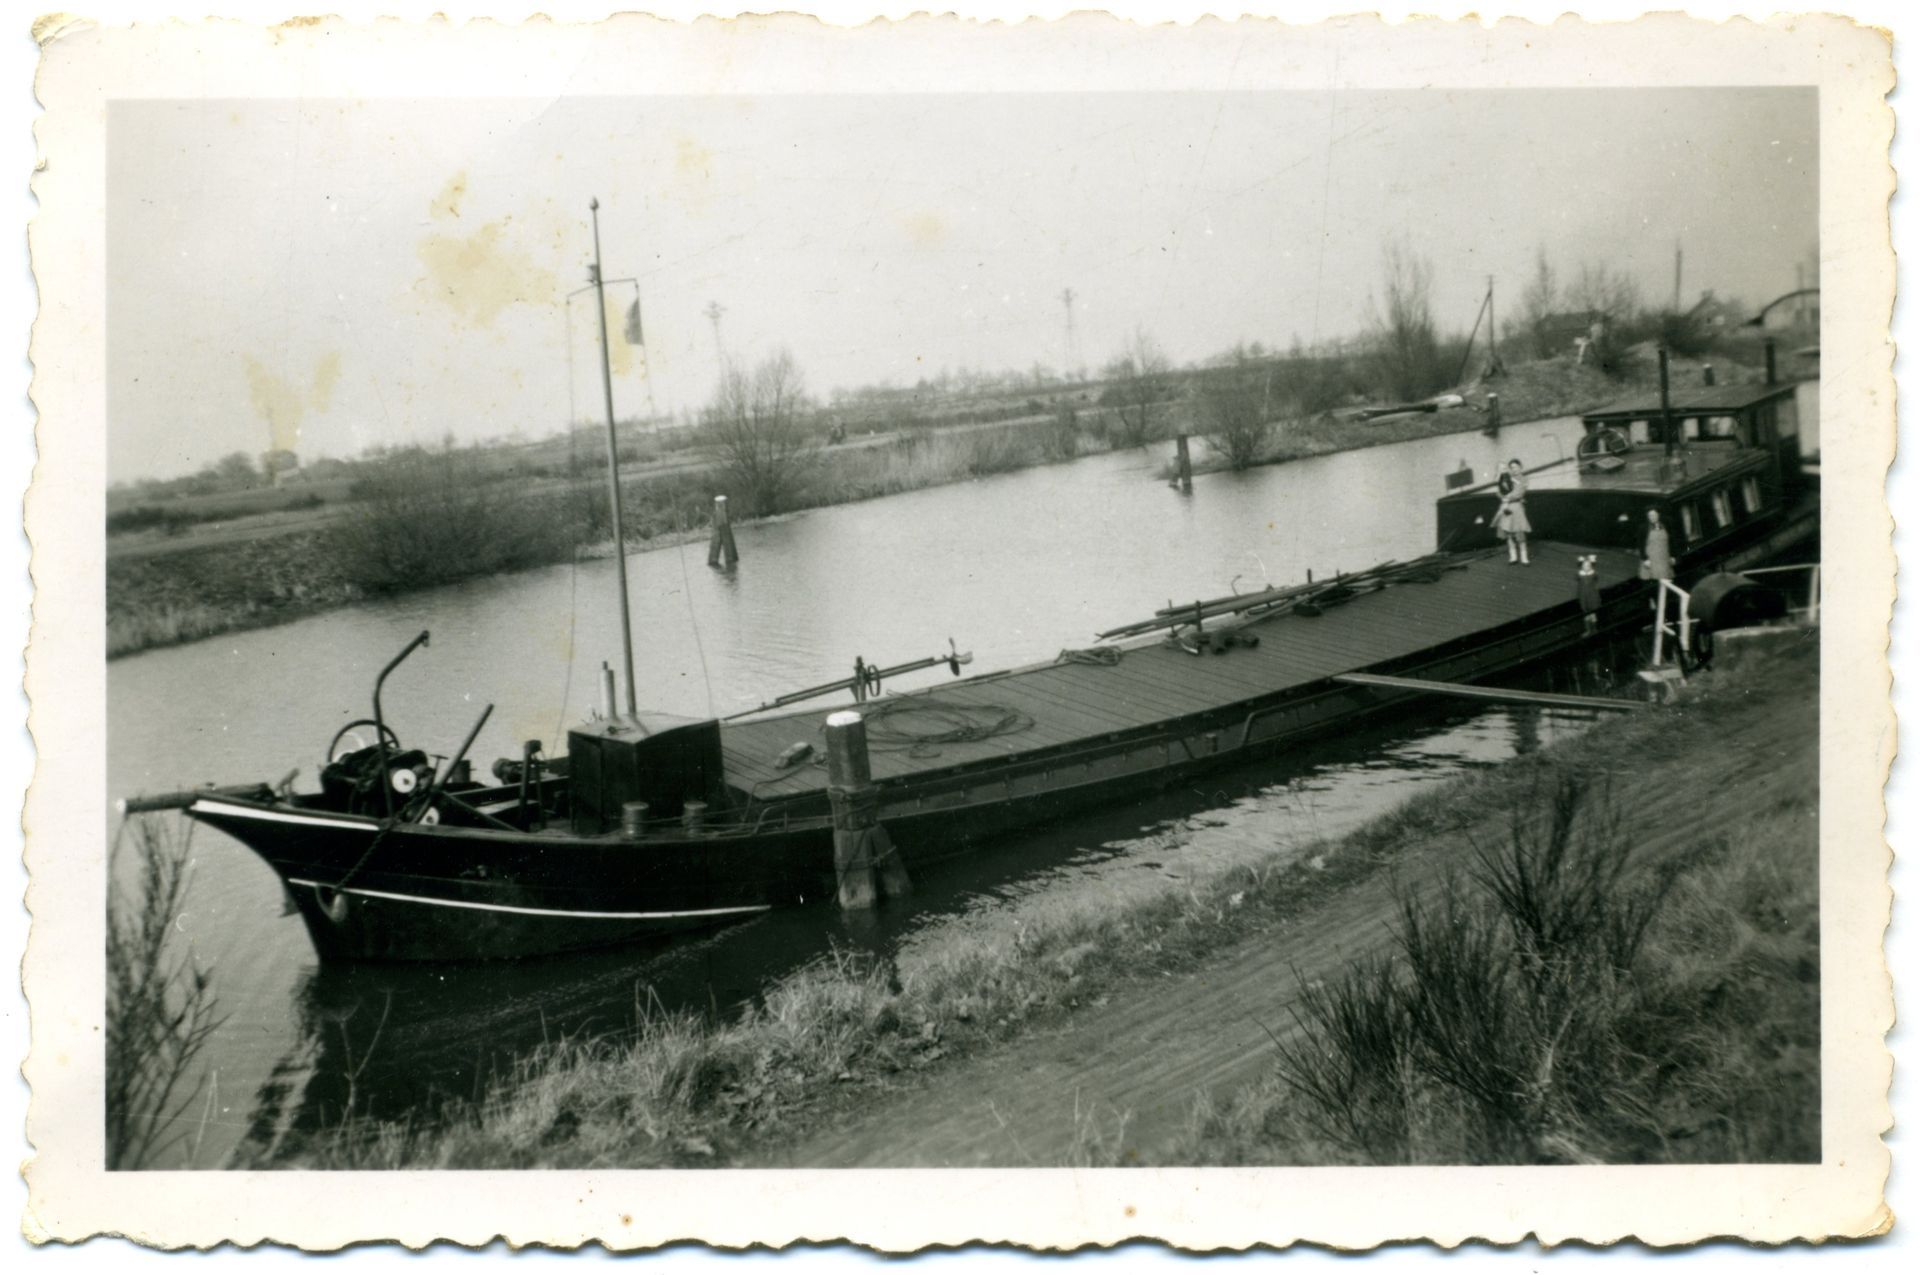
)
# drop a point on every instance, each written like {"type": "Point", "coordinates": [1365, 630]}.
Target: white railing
{"type": "Point", "coordinates": [1661, 628]}
{"type": "Point", "coordinates": [1812, 608]}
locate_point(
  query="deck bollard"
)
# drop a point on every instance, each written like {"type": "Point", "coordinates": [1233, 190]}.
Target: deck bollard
{"type": "Point", "coordinates": [1493, 413]}
{"type": "Point", "coordinates": [721, 551]}
{"type": "Point", "coordinates": [1185, 459]}
{"type": "Point", "coordinates": [862, 849]}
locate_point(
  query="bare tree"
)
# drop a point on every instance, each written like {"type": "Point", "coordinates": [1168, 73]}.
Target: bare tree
{"type": "Point", "coordinates": [1143, 376]}
{"type": "Point", "coordinates": [1612, 300]}
{"type": "Point", "coordinates": [753, 430]}
{"type": "Point", "coordinates": [1406, 348]}
{"type": "Point", "coordinates": [1603, 290]}
{"type": "Point", "coordinates": [1537, 304]}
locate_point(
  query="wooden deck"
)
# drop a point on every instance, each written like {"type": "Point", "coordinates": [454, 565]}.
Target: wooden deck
{"type": "Point", "coordinates": [1155, 682]}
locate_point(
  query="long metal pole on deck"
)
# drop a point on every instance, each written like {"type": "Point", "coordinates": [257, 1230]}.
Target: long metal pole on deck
{"type": "Point", "coordinates": [1666, 406]}
{"type": "Point", "coordinates": [613, 464]}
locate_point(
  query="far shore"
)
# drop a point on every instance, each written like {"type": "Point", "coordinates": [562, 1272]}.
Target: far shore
{"type": "Point", "coordinates": [272, 569]}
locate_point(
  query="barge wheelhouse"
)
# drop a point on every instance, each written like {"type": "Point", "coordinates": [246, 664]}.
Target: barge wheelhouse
{"type": "Point", "coordinates": [1721, 464]}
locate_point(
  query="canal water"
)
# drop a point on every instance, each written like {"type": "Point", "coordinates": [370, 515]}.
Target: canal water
{"type": "Point", "coordinates": [1012, 568]}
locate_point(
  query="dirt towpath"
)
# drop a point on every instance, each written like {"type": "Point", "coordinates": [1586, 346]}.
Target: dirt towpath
{"type": "Point", "coordinates": [1123, 1075]}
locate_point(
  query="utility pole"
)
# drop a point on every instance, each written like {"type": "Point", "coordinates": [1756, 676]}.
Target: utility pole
{"type": "Point", "coordinates": [713, 312]}
{"type": "Point", "coordinates": [1676, 277]}
{"type": "Point", "coordinates": [598, 276]}
{"type": "Point", "coordinates": [1073, 344]}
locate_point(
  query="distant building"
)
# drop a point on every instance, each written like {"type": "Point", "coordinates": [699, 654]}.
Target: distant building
{"type": "Point", "coordinates": [280, 466]}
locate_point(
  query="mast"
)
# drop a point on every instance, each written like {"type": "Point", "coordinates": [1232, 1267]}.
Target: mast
{"type": "Point", "coordinates": [613, 463]}
{"type": "Point", "coordinates": [1493, 330]}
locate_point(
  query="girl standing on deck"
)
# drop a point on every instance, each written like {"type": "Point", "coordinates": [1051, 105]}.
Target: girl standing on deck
{"type": "Point", "coordinates": [1511, 521]}
{"type": "Point", "coordinates": [1656, 560]}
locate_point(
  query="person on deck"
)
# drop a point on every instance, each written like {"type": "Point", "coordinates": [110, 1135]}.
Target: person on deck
{"type": "Point", "coordinates": [1511, 522]}
{"type": "Point", "coordinates": [1656, 559]}
{"type": "Point", "coordinates": [1586, 584]}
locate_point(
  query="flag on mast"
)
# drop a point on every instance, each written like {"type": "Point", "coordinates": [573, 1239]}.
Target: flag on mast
{"type": "Point", "coordinates": [633, 324]}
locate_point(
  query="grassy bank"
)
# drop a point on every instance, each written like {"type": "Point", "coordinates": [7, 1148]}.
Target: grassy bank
{"type": "Point", "coordinates": [1541, 390]}
{"type": "Point", "coordinates": [1556, 1007]}
{"type": "Point", "coordinates": [685, 1089]}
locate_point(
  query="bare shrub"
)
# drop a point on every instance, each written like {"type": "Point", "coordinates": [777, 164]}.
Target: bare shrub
{"type": "Point", "coordinates": [431, 515]}
{"type": "Point", "coordinates": [1060, 434]}
{"type": "Point", "coordinates": [1352, 1061]}
{"type": "Point", "coordinates": [754, 431]}
{"type": "Point", "coordinates": [1143, 377]}
{"type": "Point", "coordinates": [1233, 416]}
{"type": "Point", "coordinates": [161, 1006]}
{"type": "Point", "coordinates": [1518, 1018]}
{"type": "Point", "coordinates": [1684, 334]}
{"type": "Point", "coordinates": [998, 451]}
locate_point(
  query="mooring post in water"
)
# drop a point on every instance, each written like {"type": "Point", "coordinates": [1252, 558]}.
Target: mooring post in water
{"type": "Point", "coordinates": [862, 848]}
{"type": "Point", "coordinates": [1493, 413]}
{"type": "Point", "coordinates": [1706, 374]}
{"type": "Point", "coordinates": [720, 549]}
{"type": "Point", "coordinates": [1184, 458]}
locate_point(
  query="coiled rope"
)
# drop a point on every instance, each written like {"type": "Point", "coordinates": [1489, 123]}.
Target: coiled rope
{"type": "Point", "coordinates": [1099, 656]}
{"type": "Point", "coordinates": [920, 726]}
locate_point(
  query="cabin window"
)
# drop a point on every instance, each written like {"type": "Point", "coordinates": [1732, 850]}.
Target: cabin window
{"type": "Point", "coordinates": [1639, 432]}
{"type": "Point", "coordinates": [1690, 521]}
{"type": "Point", "coordinates": [1722, 502]}
{"type": "Point", "coordinates": [1750, 494]}
{"type": "Point", "coordinates": [1721, 427]}
{"type": "Point", "coordinates": [1786, 419]}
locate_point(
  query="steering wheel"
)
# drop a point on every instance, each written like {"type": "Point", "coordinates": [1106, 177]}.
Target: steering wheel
{"type": "Point", "coordinates": [1604, 442]}
{"type": "Point", "coordinates": [352, 731]}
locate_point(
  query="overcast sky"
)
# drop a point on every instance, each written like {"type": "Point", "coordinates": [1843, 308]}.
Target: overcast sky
{"type": "Point", "coordinates": [328, 275]}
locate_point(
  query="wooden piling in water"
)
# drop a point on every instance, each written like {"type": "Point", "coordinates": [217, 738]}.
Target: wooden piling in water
{"type": "Point", "coordinates": [721, 551]}
{"type": "Point", "coordinates": [1493, 413]}
{"type": "Point", "coordinates": [862, 849]}
{"type": "Point", "coordinates": [1185, 459]}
